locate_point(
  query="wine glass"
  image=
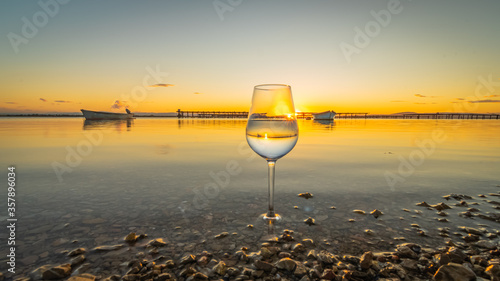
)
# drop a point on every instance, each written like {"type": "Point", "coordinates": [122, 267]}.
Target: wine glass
{"type": "Point", "coordinates": [272, 129]}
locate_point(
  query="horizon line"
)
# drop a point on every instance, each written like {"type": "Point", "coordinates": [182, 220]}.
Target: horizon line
{"type": "Point", "coordinates": [175, 112]}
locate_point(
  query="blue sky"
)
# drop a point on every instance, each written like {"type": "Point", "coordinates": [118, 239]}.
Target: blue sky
{"type": "Point", "coordinates": [92, 53]}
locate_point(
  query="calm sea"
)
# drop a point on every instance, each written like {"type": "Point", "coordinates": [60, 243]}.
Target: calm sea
{"type": "Point", "coordinates": [86, 184]}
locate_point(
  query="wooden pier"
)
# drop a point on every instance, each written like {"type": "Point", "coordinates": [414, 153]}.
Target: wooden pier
{"type": "Point", "coordinates": [436, 116]}
{"type": "Point", "coordinates": [211, 114]}
{"type": "Point", "coordinates": [343, 115]}
{"type": "Point", "coordinates": [351, 115]}
{"type": "Point", "coordinates": [304, 115]}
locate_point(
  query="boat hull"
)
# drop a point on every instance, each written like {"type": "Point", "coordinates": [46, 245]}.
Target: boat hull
{"type": "Point", "coordinates": [327, 115]}
{"type": "Point", "coordinates": [101, 115]}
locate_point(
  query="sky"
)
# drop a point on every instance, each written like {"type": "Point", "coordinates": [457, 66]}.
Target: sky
{"type": "Point", "coordinates": [374, 56]}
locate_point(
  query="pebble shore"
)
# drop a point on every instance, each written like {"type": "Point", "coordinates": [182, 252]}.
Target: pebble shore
{"type": "Point", "coordinates": [472, 254]}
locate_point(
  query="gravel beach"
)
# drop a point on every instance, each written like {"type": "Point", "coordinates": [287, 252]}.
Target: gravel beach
{"type": "Point", "coordinates": [465, 253]}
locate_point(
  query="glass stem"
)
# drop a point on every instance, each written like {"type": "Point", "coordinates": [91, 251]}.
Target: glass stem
{"type": "Point", "coordinates": [271, 164]}
{"type": "Point", "coordinates": [270, 227]}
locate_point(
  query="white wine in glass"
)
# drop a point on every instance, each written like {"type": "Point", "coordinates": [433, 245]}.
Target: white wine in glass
{"type": "Point", "coordinates": [272, 129]}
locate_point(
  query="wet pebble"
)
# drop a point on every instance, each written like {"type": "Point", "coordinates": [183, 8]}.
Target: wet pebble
{"type": "Point", "coordinates": [440, 206]}
{"type": "Point", "coordinates": [361, 212]}
{"type": "Point", "coordinates": [310, 221]}
{"type": "Point", "coordinates": [306, 195]}
{"type": "Point", "coordinates": [221, 235]}
{"type": "Point", "coordinates": [77, 252]}
{"type": "Point", "coordinates": [106, 248]}
{"type": "Point", "coordinates": [286, 264]}
{"type": "Point", "coordinates": [131, 237]}
{"type": "Point", "coordinates": [423, 204]}
{"type": "Point", "coordinates": [158, 242]}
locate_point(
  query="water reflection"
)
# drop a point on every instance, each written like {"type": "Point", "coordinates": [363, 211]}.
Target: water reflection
{"type": "Point", "coordinates": [211, 123]}
{"type": "Point", "coordinates": [269, 233]}
{"type": "Point", "coordinates": [148, 180]}
{"type": "Point", "coordinates": [324, 124]}
{"type": "Point", "coordinates": [118, 125]}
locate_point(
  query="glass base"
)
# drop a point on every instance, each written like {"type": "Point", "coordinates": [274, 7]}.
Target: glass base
{"type": "Point", "coordinates": [275, 218]}
{"type": "Point", "coordinates": [273, 224]}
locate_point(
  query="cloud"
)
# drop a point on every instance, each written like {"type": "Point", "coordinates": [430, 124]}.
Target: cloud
{"type": "Point", "coordinates": [161, 85]}
{"type": "Point", "coordinates": [492, 96]}
{"type": "Point", "coordinates": [422, 96]}
{"type": "Point", "coordinates": [62, 101]}
{"type": "Point", "coordinates": [42, 99]}
{"type": "Point", "coordinates": [10, 102]}
{"type": "Point", "coordinates": [198, 93]}
{"type": "Point", "coordinates": [459, 99]}
{"type": "Point", "coordinates": [398, 101]}
{"type": "Point", "coordinates": [424, 103]}
{"type": "Point", "coordinates": [484, 101]}
{"type": "Point", "coordinates": [119, 104]}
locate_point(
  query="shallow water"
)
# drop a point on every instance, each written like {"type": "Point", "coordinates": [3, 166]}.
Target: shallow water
{"type": "Point", "coordinates": [85, 184]}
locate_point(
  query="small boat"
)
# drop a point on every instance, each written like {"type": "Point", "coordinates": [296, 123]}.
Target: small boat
{"type": "Point", "coordinates": [326, 115]}
{"type": "Point", "coordinates": [101, 115]}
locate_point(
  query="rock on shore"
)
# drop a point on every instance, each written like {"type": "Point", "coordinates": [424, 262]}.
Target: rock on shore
{"type": "Point", "coordinates": [284, 258]}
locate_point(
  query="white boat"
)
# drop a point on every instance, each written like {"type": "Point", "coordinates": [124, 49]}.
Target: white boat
{"type": "Point", "coordinates": [101, 115]}
{"type": "Point", "coordinates": [326, 115]}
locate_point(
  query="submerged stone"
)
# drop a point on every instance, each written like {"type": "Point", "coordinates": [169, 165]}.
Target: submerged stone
{"type": "Point", "coordinates": [306, 195]}
{"type": "Point", "coordinates": [310, 221]}
{"type": "Point", "coordinates": [361, 212]}
{"type": "Point", "coordinates": [131, 237]}
{"type": "Point", "coordinates": [376, 213]}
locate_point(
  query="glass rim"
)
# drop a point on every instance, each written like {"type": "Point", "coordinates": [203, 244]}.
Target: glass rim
{"type": "Point", "coordinates": [268, 87]}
